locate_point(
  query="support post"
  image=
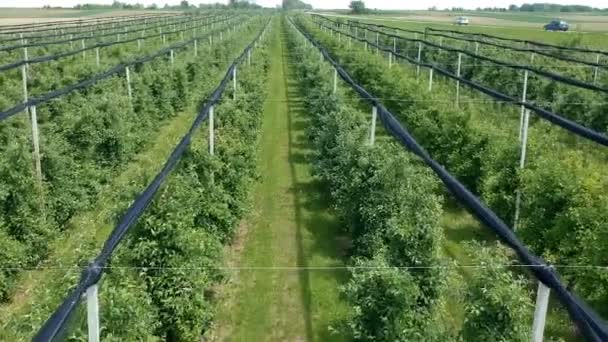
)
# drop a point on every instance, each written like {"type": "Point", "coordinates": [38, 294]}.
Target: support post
{"type": "Point", "coordinates": [595, 70]}
{"type": "Point", "coordinates": [522, 162]}
{"type": "Point", "coordinates": [524, 92]}
{"type": "Point", "coordinates": [390, 60]}
{"type": "Point", "coordinates": [476, 48]}
{"type": "Point", "coordinates": [431, 79]}
{"type": "Point", "coordinates": [395, 44]}
{"type": "Point", "coordinates": [419, 58]}
{"type": "Point", "coordinates": [195, 48]}
{"type": "Point", "coordinates": [36, 142]}
{"type": "Point", "coordinates": [24, 81]}
{"type": "Point", "coordinates": [172, 56]}
{"type": "Point", "coordinates": [93, 313]}
{"type": "Point", "coordinates": [234, 83]}
{"type": "Point", "coordinates": [211, 133]}
{"type": "Point", "coordinates": [249, 57]}
{"type": "Point", "coordinates": [164, 40]}
{"type": "Point", "coordinates": [128, 76]}
{"type": "Point", "coordinates": [458, 81]}
{"type": "Point", "coordinates": [377, 42]}
{"type": "Point", "coordinates": [84, 53]}
{"type": "Point", "coordinates": [540, 312]}
{"type": "Point", "coordinates": [335, 80]}
{"type": "Point", "coordinates": [97, 56]}
{"type": "Point", "coordinates": [372, 133]}
{"type": "Point", "coordinates": [139, 45]}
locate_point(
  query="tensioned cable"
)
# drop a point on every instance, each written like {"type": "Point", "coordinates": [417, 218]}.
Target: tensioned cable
{"type": "Point", "coordinates": [295, 268]}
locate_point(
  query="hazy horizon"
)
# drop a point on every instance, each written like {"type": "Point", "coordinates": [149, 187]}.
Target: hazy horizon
{"type": "Point", "coordinates": [321, 4]}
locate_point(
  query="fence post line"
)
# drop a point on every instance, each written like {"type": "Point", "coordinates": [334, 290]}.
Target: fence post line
{"type": "Point", "coordinates": [84, 53]}
{"type": "Point", "coordinates": [234, 83]}
{"type": "Point", "coordinates": [211, 132]}
{"type": "Point", "coordinates": [540, 312]}
{"type": "Point", "coordinates": [595, 71]}
{"type": "Point", "coordinates": [128, 76]}
{"type": "Point", "coordinates": [430, 79]}
{"type": "Point", "coordinates": [36, 143]}
{"type": "Point", "coordinates": [372, 133]}
{"type": "Point", "coordinates": [93, 313]}
{"type": "Point", "coordinates": [524, 92]}
{"type": "Point", "coordinates": [458, 81]}
{"type": "Point", "coordinates": [419, 59]}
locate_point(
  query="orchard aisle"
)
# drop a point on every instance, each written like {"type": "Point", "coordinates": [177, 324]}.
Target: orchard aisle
{"type": "Point", "coordinates": [274, 295]}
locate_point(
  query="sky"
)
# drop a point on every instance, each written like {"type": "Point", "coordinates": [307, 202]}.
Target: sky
{"type": "Point", "coordinates": [326, 4]}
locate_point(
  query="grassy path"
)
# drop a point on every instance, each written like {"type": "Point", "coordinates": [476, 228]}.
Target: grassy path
{"type": "Point", "coordinates": [275, 295]}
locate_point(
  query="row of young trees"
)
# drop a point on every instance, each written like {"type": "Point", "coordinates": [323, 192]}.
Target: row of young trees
{"type": "Point", "coordinates": [95, 134]}
{"type": "Point", "coordinates": [87, 138]}
{"type": "Point", "coordinates": [391, 205]}
{"type": "Point", "coordinates": [562, 186]}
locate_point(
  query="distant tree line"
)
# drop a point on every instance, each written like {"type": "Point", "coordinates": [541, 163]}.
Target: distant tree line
{"type": "Point", "coordinates": [239, 4]}
{"type": "Point", "coordinates": [295, 5]}
{"type": "Point", "coordinates": [546, 7]}
{"type": "Point", "coordinates": [534, 7]}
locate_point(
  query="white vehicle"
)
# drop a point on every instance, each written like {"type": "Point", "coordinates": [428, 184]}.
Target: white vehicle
{"type": "Point", "coordinates": [462, 21]}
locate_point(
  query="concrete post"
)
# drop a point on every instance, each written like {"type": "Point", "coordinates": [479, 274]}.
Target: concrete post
{"type": "Point", "coordinates": [93, 313]}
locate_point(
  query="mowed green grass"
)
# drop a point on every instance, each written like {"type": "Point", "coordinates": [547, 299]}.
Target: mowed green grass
{"type": "Point", "coordinates": [291, 265]}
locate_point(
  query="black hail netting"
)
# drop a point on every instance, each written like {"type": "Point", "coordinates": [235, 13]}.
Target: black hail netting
{"type": "Point", "coordinates": [589, 323]}
{"type": "Point", "coordinates": [548, 115]}
{"type": "Point", "coordinates": [92, 274]}
{"type": "Point", "coordinates": [96, 78]}
{"type": "Point", "coordinates": [524, 41]}
{"type": "Point", "coordinates": [60, 55]}
{"type": "Point", "coordinates": [109, 34]}
{"type": "Point", "coordinates": [75, 24]}
{"type": "Point", "coordinates": [547, 74]}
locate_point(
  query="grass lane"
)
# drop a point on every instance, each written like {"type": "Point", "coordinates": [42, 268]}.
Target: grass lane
{"type": "Point", "coordinates": [291, 228]}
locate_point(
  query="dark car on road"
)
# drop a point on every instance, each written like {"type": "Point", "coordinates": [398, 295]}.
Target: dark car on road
{"type": "Point", "coordinates": [557, 25]}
